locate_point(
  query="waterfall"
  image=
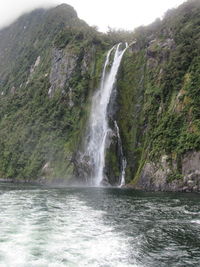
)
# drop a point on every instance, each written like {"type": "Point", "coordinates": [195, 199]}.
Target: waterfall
{"type": "Point", "coordinates": [122, 158]}
{"type": "Point", "coordinates": [98, 123]}
{"type": "Point", "coordinates": [122, 180]}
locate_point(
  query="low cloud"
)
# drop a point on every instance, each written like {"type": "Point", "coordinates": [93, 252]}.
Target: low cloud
{"type": "Point", "coordinates": [10, 10]}
{"type": "Point", "coordinates": [127, 14]}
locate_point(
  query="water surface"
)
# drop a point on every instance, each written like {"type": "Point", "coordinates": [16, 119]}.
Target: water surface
{"type": "Point", "coordinates": [97, 227]}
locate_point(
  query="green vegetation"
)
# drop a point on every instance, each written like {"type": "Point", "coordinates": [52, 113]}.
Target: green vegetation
{"type": "Point", "coordinates": [42, 130]}
{"type": "Point", "coordinates": [174, 176]}
{"type": "Point", "coordinates": [159, 91]}
{"type": "Point", "coordinates": [36, 129]}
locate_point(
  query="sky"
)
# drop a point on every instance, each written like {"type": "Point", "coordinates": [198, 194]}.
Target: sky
{"type": "Point", "coordinates": [117, 14]}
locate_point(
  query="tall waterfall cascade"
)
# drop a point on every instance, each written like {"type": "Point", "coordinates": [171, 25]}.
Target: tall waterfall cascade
{"type": "Point", "coordinates": [98, 124]}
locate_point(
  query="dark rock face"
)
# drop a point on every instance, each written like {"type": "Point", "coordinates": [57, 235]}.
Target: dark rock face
{"type": "Point", "coordinates": [191, 171]}
{"type": "Point", "coordinates": [191, 162]}
{"type": "Point", "coordinates": [63, 67]}
{"type": "Point", "coordinates": [83, 168]}
{"type": "Point", "coordinates": [154, 176]}
{"type": "Point", "coordinates": [113, 161]}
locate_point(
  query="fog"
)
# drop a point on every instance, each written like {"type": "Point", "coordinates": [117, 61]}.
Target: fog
{"type": "Point", "coordinates": [126, 14]}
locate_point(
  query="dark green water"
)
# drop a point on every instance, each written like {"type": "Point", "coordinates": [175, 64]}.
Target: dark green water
{"type": "Point", "coordinates": [97, 227]}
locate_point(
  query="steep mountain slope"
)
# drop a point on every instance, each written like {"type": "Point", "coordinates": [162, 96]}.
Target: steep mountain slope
{"type": "Point", "coordinates": [50, 65]}
{"type": "Point", "coordinates": [158, 102]}
{"type": "Point", "coordinates": [49, 62]}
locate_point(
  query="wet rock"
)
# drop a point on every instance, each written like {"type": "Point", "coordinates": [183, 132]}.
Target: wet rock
{"type": "Point", "coordinates": [37, 62]}
{"type": "Point", "coordinates": [134, 47]}
{"type": "Point", "coordinates": [46, 170]}
{"type": "Point", "coordinates": [191, 163]}
{"type": "Point", "coordinates": [88, 57]}
{"type": "Point", "coordinates": [13, 90]}
{"type": "Point", "coordinates": [105, 182]}
{"type": "Point", "coordinates": [190, 183]}
{"type": "Point", "coordinates": [33, 67]}
{"type": "Point", "coordinates": [154, 175]}
{"type": "Point", "coordinates": [158, 50]}
{"type": "Point", "coordinates": [62, 69]}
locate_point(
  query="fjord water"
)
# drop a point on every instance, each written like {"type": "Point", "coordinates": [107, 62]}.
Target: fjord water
{"type": "Point", "coordinates": [98, 125]}
{"type": "Point", "coordinates": [97, 227]}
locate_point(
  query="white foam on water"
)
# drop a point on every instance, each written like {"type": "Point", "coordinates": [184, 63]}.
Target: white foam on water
{"type": "Point", "coordinates": [52, 232]}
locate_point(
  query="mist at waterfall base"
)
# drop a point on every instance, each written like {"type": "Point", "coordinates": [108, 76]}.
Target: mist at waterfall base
{"type": "Point", "coordinates": [99, 133]}
{"type": "Point", "coordinates": [97, 227]}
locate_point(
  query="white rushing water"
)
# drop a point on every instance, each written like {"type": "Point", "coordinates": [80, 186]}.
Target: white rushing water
{"type": "Point", "coordinates": [99, 128]}
{"type": "Point", "coordinates": [97, 227]}
{"type": "Point", "coordinates": [124, 162]}
{"type": "Point", "coordinates": [41, 228]}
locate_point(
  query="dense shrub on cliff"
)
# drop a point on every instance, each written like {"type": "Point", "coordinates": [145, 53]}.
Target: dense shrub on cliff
{"type": "Point", "coordinates": [50, 65]}
{"type": "Point", "coordinates": [159, 92]}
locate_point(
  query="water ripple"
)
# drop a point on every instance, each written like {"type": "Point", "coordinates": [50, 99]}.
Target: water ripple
{"type": "Point", "coordinates": [97, 227]}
